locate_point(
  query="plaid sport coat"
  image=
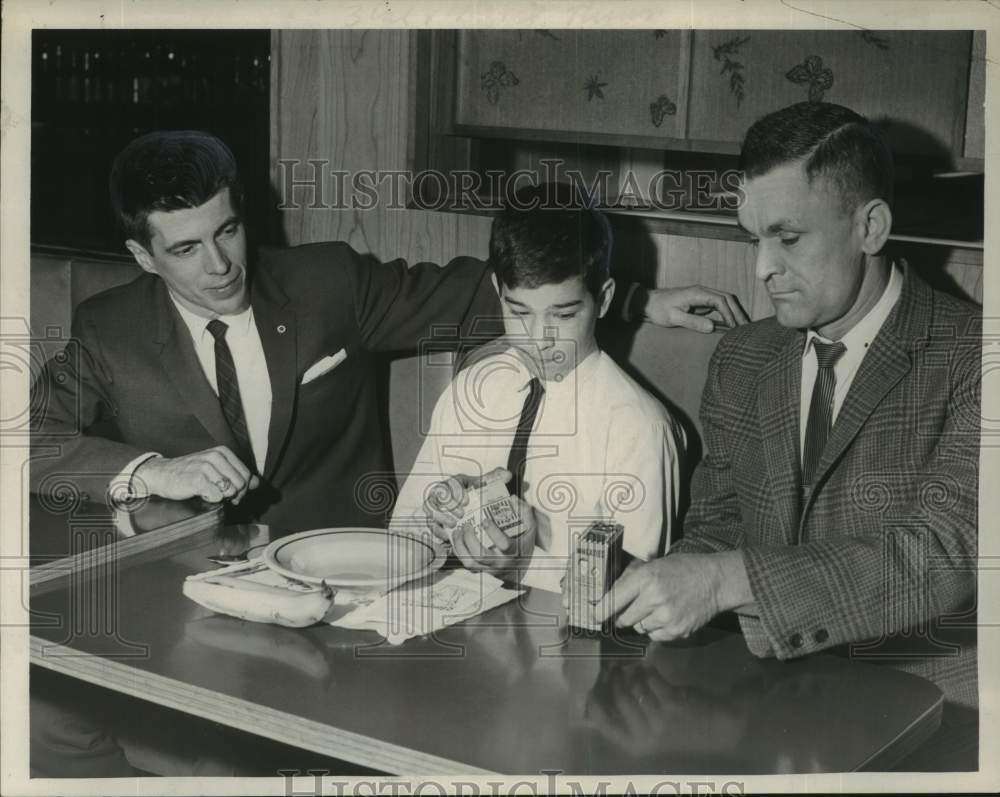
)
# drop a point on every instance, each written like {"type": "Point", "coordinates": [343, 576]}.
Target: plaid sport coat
{"type": "Point", "coordinates": [886, 540]}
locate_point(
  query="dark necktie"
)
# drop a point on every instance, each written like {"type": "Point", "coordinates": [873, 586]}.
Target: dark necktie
{"type": "Point", "coordinates": [229, 393]}
{"type": "Point", "coordinates": [820, 408]}
{"type": "Point", "coordinates": [519, 448]}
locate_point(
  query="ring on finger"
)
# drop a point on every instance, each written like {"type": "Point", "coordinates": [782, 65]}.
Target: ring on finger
{"type": "Point", "coordinates": [223, 484]}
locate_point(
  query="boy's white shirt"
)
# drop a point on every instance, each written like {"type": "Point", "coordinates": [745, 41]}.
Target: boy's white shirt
{"type": "Point", "coordinates": [602, 449]}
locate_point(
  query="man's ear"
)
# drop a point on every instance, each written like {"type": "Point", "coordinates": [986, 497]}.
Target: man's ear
{"type": "Point", "coordinates": [876, 218]}
{"type": "Point", "coordinates": [605, 296]}
{"type": "Point", "coordinates": [142, 257]}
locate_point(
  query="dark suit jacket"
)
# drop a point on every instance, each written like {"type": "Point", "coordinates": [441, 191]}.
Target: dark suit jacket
{"type": "Point", "coordinates": [133, 384]}
{"type": "Point", "coordinates": [886, 541]}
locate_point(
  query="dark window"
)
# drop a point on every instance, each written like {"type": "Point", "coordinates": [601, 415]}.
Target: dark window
{"type": "Point", "coordinates": [93, 91]}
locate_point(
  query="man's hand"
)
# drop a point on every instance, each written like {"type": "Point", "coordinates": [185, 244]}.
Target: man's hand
{"type": "Point", "coordinates": [443, 506]}
{"type": "Point", "coordinates": [509, 554]}
{"type": "Point", "coordinates": [214, 474]}
{"type": "Point", "coordinates": [673, 596]}
{"type": "Point", "coordinates": [687, 307]}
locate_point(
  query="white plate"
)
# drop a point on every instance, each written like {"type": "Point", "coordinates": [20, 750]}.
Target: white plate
{"type": "Point", "coordinates": [354, 557]}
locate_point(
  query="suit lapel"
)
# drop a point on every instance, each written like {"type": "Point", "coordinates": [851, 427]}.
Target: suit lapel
{"type": "Point", "coordinates": [778, 415]}
{"type": "Point", "coordinates": [184, 372]}
{"type": "Point", "coordinates": [884, 365]}
{"type": "Point", "coordinates": [276, 326]}
{"type": "Point", "coordinates": [887, 361]}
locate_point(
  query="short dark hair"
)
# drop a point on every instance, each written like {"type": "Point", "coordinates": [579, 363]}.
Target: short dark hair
{"type": "Point", "coordinates": [170, 170]}
{"type": "Point", "coordinates": [547, 235]}
{"type": "Point", "coordinates": [832, 141]}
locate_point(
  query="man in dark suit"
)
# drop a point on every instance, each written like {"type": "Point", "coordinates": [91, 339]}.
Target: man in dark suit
{"type": "Point", "coordinates": [301, 330]}
{"type": "Point", "coordinates": [837, 501]}
{"type": "Point", "coordinates": [238, 376]}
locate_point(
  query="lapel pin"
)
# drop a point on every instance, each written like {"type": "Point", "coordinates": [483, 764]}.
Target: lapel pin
{"type": "Point", "coordinates": [281, 329]}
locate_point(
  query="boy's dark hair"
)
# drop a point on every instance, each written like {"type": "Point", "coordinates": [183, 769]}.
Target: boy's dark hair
{"type": "Point", "coordinates": [833, 141]}
{"type": "Point", "coordinates": [548, 235]}
{"type": "Point", "coordinates": [170, 170]}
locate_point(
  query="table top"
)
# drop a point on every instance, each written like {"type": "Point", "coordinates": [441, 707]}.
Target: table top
{"type": "Point", "coordinates": [510, 691]}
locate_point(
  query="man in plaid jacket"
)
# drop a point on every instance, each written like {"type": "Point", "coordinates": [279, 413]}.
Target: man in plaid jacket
{"type": "Point", "coordinates": [837, 502]}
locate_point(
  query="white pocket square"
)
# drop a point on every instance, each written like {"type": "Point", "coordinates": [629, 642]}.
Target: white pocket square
{"type": "Point", "coordinates": [321, 367]}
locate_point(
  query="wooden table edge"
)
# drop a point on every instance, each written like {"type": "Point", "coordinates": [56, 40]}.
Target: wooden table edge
{"type": "Point", "coordinates": [907, 740]}
{"type": "Point", "coordinates": [244, 715]}
{"type": "Point", "coordinates": [120, 550]}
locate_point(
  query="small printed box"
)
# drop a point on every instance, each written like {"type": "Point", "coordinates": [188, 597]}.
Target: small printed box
{"type": "Point", "coordinates": [597, 561]}
{"type": "Point", "coordinates": [492, 500]}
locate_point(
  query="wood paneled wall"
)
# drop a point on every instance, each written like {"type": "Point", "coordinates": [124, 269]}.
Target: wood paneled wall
{"type": "Point", "coordinates": [347, 97]}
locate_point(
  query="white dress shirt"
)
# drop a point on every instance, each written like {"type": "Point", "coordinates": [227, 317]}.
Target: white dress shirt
{"type": "Point", "coordinates": [856, 342]}
{"type": "Point", "coordinates": [602, 448]}
{"type": "Point", "coordinates": [244, 344]}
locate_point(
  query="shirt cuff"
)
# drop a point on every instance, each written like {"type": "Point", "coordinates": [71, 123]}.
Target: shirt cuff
{"type": "Point", "coordinates": [124, 487]}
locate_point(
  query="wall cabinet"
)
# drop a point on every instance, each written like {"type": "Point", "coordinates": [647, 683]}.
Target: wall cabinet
{"type": "Point", "coordinates": [633, 103]}
{"type": "Point", "coordinates": [598, 82]}
{"type": "Point", "coordinates": [913, 81]}
{"type": "Point", "coordinates": [700, 90]}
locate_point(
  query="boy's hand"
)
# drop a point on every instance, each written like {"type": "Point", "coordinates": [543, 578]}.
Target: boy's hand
{"type": "Point", "coordinates": [509, 556]}
{"type": "Point", "coordinates": [446, 499]}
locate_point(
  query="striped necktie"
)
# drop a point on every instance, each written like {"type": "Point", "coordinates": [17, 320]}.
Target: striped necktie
{"type": "Point", "coordinates": [820, 408]}
{"type": "Point", "coordinates": [519, 448]}
{"type": "Point", "coordinates": [229, 393]}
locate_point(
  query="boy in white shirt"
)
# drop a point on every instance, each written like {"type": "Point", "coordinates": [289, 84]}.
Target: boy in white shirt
{"type": "Point", "coordinates": [576, 439]}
